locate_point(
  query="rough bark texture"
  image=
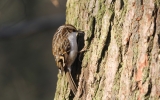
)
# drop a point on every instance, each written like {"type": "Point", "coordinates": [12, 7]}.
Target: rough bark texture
{"type": "Point", "coordinates": [122, 61]}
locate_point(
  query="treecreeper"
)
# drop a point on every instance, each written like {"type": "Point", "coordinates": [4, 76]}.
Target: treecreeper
{"type": "Point", "coordinates": [65, 50]}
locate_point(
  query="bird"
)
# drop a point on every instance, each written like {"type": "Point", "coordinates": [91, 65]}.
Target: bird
{"type": "Point", "coordinates": [65, 49]}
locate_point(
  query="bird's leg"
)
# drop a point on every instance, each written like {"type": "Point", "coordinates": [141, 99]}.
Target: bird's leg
{"type": "Point", "coordinates": [62, 58]}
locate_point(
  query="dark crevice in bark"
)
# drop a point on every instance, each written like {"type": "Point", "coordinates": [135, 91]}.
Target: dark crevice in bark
{"type": "Point", "coordinates": [108, 40]}
{"type": "Point", "coordinates": [113, 1]}
{"type": "Point", "coordinates": [150, 39]}
{"type": "Point", "coordinates": [141, 2]}
{"type": "Point", "coordinates": [147, 95]}
{"type": "Point", "coordinates": [122, 4]}
{"type": "Point", "coordinates": [93, 23]}
{"type": "Point", "coordinates": [127, 45]}
{"type": "Point", "coordinates": [121, 61]}
{"type": "Point", "coordinates": [155, 12]}
{"type": "Point", "coordinates": [158, 39]}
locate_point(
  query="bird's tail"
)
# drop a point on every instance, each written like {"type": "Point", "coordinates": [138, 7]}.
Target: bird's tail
{"type": "Point", "coordinates": [72, 84]}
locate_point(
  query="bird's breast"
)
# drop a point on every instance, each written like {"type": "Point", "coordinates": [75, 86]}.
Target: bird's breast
{"type": "Point", "coordinates": [74, 48]}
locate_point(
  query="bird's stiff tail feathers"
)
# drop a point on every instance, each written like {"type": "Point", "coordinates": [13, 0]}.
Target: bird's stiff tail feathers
{"type": "Point", "coordinates": [72, 84]}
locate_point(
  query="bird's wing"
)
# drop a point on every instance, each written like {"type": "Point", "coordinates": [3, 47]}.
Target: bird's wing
{"type": "Point", "coordinates": [61, 48]}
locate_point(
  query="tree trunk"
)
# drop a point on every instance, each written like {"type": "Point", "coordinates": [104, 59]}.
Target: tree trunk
{"type": "Point", "coordinates": [122, 57]}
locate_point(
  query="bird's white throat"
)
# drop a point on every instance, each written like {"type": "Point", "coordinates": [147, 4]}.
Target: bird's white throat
{"type": "Point", "coordinates": [74, 48]}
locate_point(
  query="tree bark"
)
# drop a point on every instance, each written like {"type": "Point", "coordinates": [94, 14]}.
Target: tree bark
{"type": "Point", "coordinates": [122, 57]}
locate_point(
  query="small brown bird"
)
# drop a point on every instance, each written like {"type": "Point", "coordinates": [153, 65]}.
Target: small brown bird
{"type": "Point", "coordinates": [65, 49]}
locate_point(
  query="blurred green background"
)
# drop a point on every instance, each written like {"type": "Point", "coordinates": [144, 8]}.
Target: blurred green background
{"type": "Point", "coordinates": [27, 67]}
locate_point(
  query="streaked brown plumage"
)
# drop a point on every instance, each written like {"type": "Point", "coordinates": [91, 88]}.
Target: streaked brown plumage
{"type": "Point", "coordinates": [65, 49]}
